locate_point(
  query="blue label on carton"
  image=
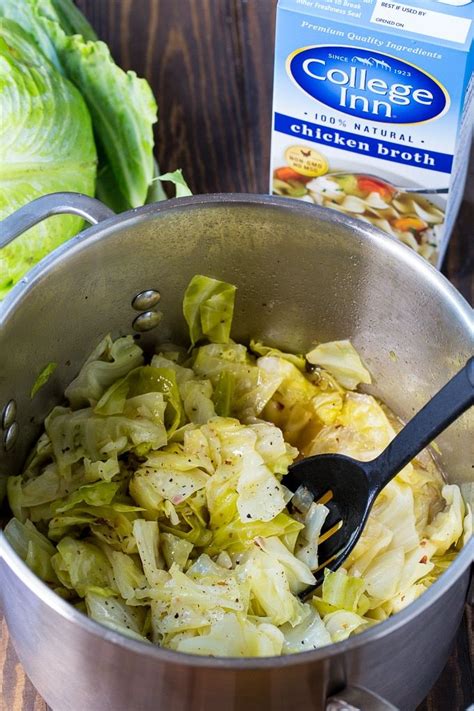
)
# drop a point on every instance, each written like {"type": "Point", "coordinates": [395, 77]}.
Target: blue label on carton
{"type": "Point", "coordinates": [367, 84]}
{"type": "Point", "coordinates": [373, 112]}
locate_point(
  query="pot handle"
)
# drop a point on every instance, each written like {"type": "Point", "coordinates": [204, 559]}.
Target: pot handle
{"type": "Point", "coordinates": [92, 210]}
{"type": "Point", "coordinates": [358, 698]}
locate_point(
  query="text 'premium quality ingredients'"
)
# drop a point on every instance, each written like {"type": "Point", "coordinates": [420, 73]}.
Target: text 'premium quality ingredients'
{"type": "Point", "coordinates": [369, 117]}
{"type": "Point", "coordinates": [153, 501]}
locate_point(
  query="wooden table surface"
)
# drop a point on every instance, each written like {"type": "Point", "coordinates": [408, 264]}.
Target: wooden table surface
{"type": "Point", "coordinates": [210, 65]}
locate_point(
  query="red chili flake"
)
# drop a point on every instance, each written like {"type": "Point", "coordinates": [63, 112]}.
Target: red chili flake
{"type": "Point", "coordinates": [424, 559]}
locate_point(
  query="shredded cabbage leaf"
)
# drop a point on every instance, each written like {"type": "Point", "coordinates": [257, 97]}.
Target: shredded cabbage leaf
{"type": "Point", "coordinates": [43, 378]}
{"type": "Point", "coordinates": [341, 359]}
{"type": "Point", "coordinates": [208, 307]}
{"type": "Point", "coordinates": [153, 500]}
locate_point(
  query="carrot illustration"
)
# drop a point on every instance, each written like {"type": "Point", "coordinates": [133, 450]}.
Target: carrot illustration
{"type": "Point", "coordinates": [410, 224]}
{"type": "Point", "coordinates": [285, 173]}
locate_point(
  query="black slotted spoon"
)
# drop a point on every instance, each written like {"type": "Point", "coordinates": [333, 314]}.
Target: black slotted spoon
{"type": "Point", "coordinates": [349, 487]}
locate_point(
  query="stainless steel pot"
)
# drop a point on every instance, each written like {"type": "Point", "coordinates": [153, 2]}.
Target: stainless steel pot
{"type": "Point", "coordinates": [302, 273]}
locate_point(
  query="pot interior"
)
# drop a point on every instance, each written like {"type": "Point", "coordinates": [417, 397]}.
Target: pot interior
{"type": "Point", "coordinates": [304, 275]}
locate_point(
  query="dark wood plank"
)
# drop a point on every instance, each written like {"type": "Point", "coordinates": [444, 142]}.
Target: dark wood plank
{"type": "Point", "coordinates": [210, 64]}
{"type": "Point", "coordinates": [17, 693]}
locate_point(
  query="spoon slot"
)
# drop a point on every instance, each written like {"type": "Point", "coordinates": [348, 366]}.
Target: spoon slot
{"type": "Point", "coordinates": [330, 532]}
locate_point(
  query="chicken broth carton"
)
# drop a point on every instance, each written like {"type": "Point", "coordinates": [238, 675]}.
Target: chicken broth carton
{"type": "Point", "coordinates": [372, 112]}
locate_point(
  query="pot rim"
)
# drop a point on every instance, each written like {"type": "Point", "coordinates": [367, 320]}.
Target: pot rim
{"type": "Point", "coordinates": [382, 629]}
{"type": "Point", "coordinates": [360, 231]}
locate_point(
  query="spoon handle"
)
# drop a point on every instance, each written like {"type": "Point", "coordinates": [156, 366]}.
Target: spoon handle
{"type": "Point", "coordinates": [438, 413]}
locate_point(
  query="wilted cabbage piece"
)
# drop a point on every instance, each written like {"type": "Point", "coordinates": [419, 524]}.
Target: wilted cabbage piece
{"type": "Point", "coordinates": [34, 548]}
{"type": "Point", "coordinates": [343, 362]}
{"type": "Point", "coordinates": [262, 350]}
{"type": "Point", "coordinates": [43, 378]}
{"type": "Point", "coordinates": [46, 145]}
{"type": "Point", "coordinates": [208, 307]}
{"type": "Point", "coordinates": [108, 362]}
{"type": "Point", "coordinates": [154, 502]}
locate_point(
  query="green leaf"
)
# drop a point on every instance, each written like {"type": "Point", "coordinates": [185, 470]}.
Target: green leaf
{"type": "Point", "coordinates": [128, 575]}
{"type": "Point", "coordinates": [108, 362]}
{"type": "Point", "coordinates": [83, 434]}
{"type": "Point", "coordinates": [182, 189]}
{"type": "Point", "coordinates": [308, 634]}
{"type": "Point", "coordinates": [122, 107]}
{"type": "Point", "coordinates": [341, 591]}
{"type": "Point", "coordinates": [141, 381]}
{"type": "Point", "coordinates": [43, 378]}
{"type": "Point", "coordinates": [176, 550]}
{"type": "Point", "coordinates": [32, 547]}
{"type": "Point", "coordinates": [99, 494]}
{"type": "Point", "coordinates": [46, 146]}
{"type": "Point", "coordinates": [224, 392]}
{"type": "Point", "coordinates": [81, 565]}
{"type": "Point", "coordinates": [262, 350]}
{"type": "Point", "coordinates": [22, 13]}
{"type": "Point", "coordinates": [72, 20]}
{"type": "Point", "coordinates": [252, 386]}
{"type": "Point", "coordinates": [208, 307]}
{"type": "Point", "coordinates": [116, 615]}
{"type": "Point", "coordinates": [147, 537]}
{"type": "Point", "coordinates": [341, 359]}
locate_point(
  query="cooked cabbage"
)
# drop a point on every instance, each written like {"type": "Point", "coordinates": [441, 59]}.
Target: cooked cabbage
{"type": "Point", "coordinates": [154, 501]}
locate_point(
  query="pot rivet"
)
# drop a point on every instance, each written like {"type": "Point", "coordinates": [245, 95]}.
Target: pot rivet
{"type": "Point", "coordinates": [146, 299]}
{"type": "Point", "coordinates": [147, 320]}
{"type": "Point", "coordinates": [9, 414]}
{"type": "Point", "coordinates": [10, 437]}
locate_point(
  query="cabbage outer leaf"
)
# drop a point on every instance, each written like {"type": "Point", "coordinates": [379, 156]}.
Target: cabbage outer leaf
{"type": "Point", "coordinates": [46, 146]}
